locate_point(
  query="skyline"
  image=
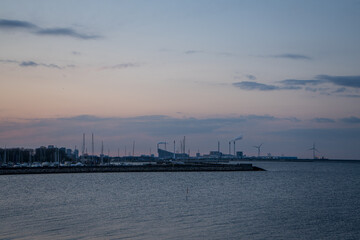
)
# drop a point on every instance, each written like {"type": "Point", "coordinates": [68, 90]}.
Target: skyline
{"type": "Point", "coordinates": [282, 73]}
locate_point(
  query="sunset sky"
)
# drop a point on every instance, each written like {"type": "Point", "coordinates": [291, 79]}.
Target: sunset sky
{"type": "Point", "coordinates": [282, 73]}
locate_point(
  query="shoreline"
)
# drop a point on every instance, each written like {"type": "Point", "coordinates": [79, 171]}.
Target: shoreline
{"type": "Point", "coordinates": [140, 168]}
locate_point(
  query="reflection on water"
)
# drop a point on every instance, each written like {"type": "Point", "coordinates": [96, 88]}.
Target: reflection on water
{"type": "Point", "coordinates": [290, 201]}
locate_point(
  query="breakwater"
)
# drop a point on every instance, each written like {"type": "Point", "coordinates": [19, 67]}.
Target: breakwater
{"type": "Point", "coordinates": [132, 168]}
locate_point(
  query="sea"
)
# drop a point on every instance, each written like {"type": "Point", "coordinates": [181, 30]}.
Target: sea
{"type": "Point", "coordinates": [291, 200]}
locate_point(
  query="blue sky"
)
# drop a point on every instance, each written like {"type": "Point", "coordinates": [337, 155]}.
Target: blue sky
{"type": "Point", "coordinates": [282, 73]}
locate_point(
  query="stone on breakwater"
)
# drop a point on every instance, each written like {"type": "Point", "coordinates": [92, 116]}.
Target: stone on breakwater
{"type": "Point", "coordinates": [139, 168]}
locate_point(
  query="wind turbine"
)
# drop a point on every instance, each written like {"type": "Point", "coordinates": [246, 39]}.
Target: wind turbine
{"type": "Point", "coordinates": [258, 148]}
{"type": "Point", "coordinates": [314, 150]}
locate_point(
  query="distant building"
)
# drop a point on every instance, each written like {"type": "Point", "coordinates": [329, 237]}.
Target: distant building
{"type": "Point", "coordinates": [163, 154]}
{"type": "Point", "coordinates": [213, 154]}
{"type": "Point", "coordinates": [51, 154]}
{"type": "Point", "coordinates": [76, 154]}
{"type": "Point", "coordinates": [69, 153]}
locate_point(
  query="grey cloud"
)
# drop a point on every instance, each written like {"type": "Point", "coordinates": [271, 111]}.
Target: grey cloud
{"type": "Point", "coordinates": [323, 120]}
{"type": "Point", "coordinates": [351, 119]}
{"type": "Point", "coordinates": [260, 117]}
{"type": "Point", "coordinates": [31, 64]}
{"type": "Point", "coordinates": [123, 66]}
{"type": "Point", "coordinates": [34, 64]}
{"type": "Point", "coordinates": [16, 24]}
{"type": "Point", "coordinates": [319, 133]}
{"type": "Point", "coordinates": [293, 56]}
{"type": "Point", "coordinates": [340, 90]}
{"type": "Point", "coordinates": [351, 96]}
{"type": "Point", "coordinates": [84, 118]}
{"type": "Point", "coordinates": [65, 32]}
{"type": "Point", "coordinates": [309, 89]}
{"type": "Point", "coordinates": [245, 85]}
{"type": "Point", "coordinates": [346, 81]}
{"type": "Point", "coordinates": [148, 130]}
{"type": "Point", "coordinates": [297, 82]}
{"type": "Point", "coordinates": [251, 77]}
{"type": "Point", "coordinates": [24, 25]}
{"type": "Point", "coordinates": [292, 119]}
{"type": "Point", "coordinates": [28, 64]}
{"type": "Point", "coordinates": [154, 125]}
{"type": "Point", "coordinates": [309, 85]}
{"type": "Point", "coordinates": [8, 61]}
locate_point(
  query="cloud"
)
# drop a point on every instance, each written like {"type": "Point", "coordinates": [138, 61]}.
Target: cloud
{"type": "Point", "coordinates": [293, 56]}
{"type": "Point", "coordinates": [260, 117]}
{"type": "Point", "coordinates": [346, 81]}
{"type": "Point", "coordinates": [123, 66]}
{"type": "Point", "coordinates": [340, 90]}
{"type": "Point", "coordinates": [245, 85]}
{"type": "Point", "coordinates": [28, 64]}
{"type": "Point", "coordinates": [319, 133]}
{"type": "Point", "coordinates": [24, 25]}
{"type": "Point", "coordinates": [321, 84]}
{"type": "Point", "coordinates": [351, 119]}
{"type": "Point", "coordinates": [323, 120]}
{"type": "Point", "coordinates": [154, 125]}
{"type": "Point", "coordinates": [16, 24]}
{"type": "Point", "coordinates": [65, 32]}
{"type": "Point", "coordinates": [251, 77]}
{"type": "Point", "coordinates": [296, 82]}
{"type": "Point", "coordinates": [351, 96]}
{"type": "Point", "coordinates": [204, 133]}
{"type": "Point", "coordinates": [31, 64]}
{"type": "Point", "coordinates": [8, 61]}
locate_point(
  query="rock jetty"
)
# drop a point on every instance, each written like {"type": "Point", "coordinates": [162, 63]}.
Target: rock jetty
{"type": "Point", "coordinates": [132, 168]}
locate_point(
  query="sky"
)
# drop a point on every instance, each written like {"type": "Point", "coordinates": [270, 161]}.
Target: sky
{"type": "Point", "coordinates": [284, 74]}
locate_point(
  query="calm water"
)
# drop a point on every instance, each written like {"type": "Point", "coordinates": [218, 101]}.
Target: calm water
{"type": "Point", "coordinates": [290, 201]}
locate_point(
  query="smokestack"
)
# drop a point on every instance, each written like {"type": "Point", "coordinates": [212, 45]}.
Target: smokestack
{"type": "Point", "coordinates": [229, 147]}
{"type": "Point", "coordinates": [83, 147]}
{"type": "Point", "coordinates": [184, 149]}
{"type": "Point", "coordinates": [219, 146]}
{"type": "Point", "coordinates": [92, 148]}
{"type": "Point", "coordinates": [102, 152]}
{"type": "Point", "coordinates": [133, 148]}
{"type": "Point", "coordinates": [174, 150]}
{"type": "Point", "coordinates": [234, 149]}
